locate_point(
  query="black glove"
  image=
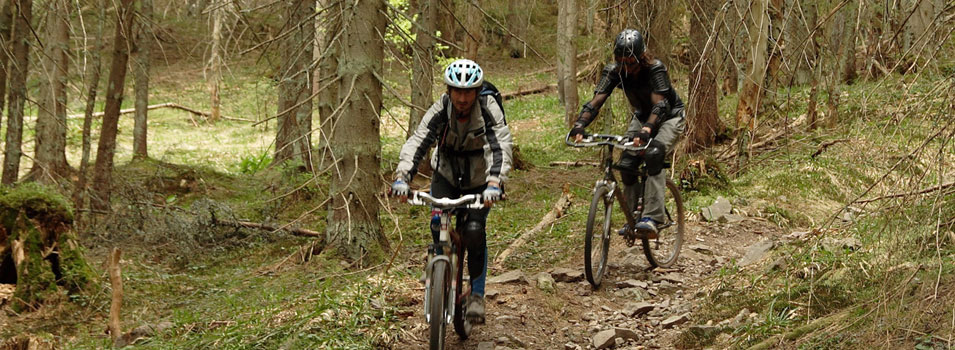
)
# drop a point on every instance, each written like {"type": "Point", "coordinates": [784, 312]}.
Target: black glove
{"type": "Point", "coordinates": [642, 135]}
{"type": "Point", "coordinates": [577, 130]}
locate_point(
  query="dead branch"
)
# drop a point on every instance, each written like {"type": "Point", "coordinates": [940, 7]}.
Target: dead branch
{"type": "Point", "coordinates": [825, 145]}
{"type": "Point", "coordinates": [574, 164]}
{"type": "Point", "coordinates": [532, 91]}
{"type": "Point", "coordinates": [168, 105]}
{"type": "Point", "coordinates": [267, 227]}
{"type": "Point", "coordinates": [561, 207]}
{"type": "Point", "coordinates": [116, 282]}
{"type": "Point", "coordinates": [941, 187]}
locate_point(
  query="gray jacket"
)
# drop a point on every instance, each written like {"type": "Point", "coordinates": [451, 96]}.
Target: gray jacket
{"type": "Point", "coordinates": [468, 159]}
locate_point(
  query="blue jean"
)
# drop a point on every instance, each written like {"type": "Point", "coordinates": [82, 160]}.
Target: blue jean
{"type": "Point", "coordinates": [472, 225]}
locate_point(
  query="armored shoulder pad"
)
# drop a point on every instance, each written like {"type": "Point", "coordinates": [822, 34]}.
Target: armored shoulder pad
{"type": "Point", "coordinates": [659, 78]}
{"type": "Point", "coordinates": [609, 79]}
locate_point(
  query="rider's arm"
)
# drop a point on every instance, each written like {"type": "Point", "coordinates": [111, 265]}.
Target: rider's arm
{"type": "Point", "coordinates": [660, 87]}
{"type": "Point", "coordinates": [609, 79]}
{"type": "Point", "coordinates": [498, 143]}
{"type": "Point", "coordinates": [418, 144]}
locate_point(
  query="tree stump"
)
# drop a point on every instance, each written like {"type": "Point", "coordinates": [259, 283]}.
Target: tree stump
{"type": "Point", "coordinates": [38, 251]}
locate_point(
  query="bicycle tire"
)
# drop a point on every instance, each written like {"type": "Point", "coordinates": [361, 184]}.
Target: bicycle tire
{"type": "Point", "coordinates": [438, 299]}
{"type": "Point", "coordinates": [461, 324]}
{"type": "Point", "coordinates": [602, 204]}
{"type": "Point", "coordinates": [665, 249]}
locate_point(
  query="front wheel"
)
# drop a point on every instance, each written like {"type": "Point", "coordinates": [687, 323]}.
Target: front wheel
{"type": "Point", "coordinates": [438, 307]}
{"type": "Point", "coordinates": [665, 249]}
{"type": "Point", "coordinates": [597, 238]}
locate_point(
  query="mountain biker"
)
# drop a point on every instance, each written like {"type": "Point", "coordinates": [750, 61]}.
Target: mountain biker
{"type": "Point", "coordinates": [657, 115]}
{"type": "Point", "coordinates": [472, 156]}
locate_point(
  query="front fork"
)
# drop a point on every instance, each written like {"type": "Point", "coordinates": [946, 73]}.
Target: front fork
{"type": "Point", "coordinates": [447, 255]}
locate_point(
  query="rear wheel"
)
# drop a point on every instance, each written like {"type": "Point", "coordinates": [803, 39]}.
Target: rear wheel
{"type": "Point", "coordinates": [461, 324]}
{"type": "Point", "coordinates": [438, 299]}
{"type": "Point", "coordinates": [597, 238]}
{"type": "Point", "coordinates": [664, 250]}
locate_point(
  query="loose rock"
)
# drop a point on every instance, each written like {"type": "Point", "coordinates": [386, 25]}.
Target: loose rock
{"type": "Point", "coordinates": [545, 282]}
{"type": "Point", "coordinates": [567, 275]}
{"type": "Point", "coordinates": [757, 252]}
{"type": "Point", "coordinates": [510, 277]}
{"type": "Point", "coordinates": [637, 309]}
{"type": "Point", "coordinates": [717, 210]}
{"type": "Point", "coordinates": [674, 321]}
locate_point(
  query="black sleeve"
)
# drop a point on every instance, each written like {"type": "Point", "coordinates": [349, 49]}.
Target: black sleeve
{"type": "Point", "coordinates": [609, 79]}
{"type": "Point", "coordinates": [659, 78]}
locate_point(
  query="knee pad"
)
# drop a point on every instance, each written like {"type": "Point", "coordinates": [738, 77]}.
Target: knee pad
{"type": "Point", "coordinates": [474, 233]}
{"type": "Point", "coordinates": [655, 156]}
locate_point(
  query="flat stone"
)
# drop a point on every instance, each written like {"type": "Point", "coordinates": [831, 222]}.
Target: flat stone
{"type": "Point", "coordinates": [673, 321]}
{"type": "Point", "coordinates": [757, 252]}
{"type": "Point", "coordinates": [836, 245]}
{"type": "Point", "coordinates": [731, 218]}
{"type": "Point", "coordinates": [626, 333]}
{"type": "Point", "coordinates": [632, 283]}
{"type": "Point", "coordinates": [637, 309]}
{"type": "Point", "coordinates": [491, 294]}
{"type": "Point", "coordinates": [510, 277]}
{"type": "Point", "coordinates": [545, 282]}
{"type": "Point", "coordinates": [701, 248]}
{"type": "Point", "coordinates": [485, 345]}
{"type": "Point", "coordinates": [604, 339]}
{"type": "Point", "coordinates": [571, 346]}
{"type": "Point", "coordinates": [566, 275]}
{"type": "Point", "coordinates": [673, 277]}
{"type": "Point", "coordinates": [717, 210]}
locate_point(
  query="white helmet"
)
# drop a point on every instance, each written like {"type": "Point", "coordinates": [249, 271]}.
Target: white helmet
{"type": "Point", "coordinates": [464, 74]}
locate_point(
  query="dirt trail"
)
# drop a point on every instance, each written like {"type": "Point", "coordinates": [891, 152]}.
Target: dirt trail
{"type": "Point", "coordinates": [522, 316]}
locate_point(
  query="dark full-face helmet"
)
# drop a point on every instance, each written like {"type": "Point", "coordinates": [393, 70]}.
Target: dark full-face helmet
{"type": "Point", "coordinates": [629, 43]}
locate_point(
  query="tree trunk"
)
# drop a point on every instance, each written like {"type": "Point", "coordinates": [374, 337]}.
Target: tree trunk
{"type": "Point", "coordinates": [293, 138]}
{"type": "Point", "coordinates": [704, 120]}
{"type": "Point", "coordinates": [447, 24]}
{"type": "Point", "coordinates": [215, 59]}
{"type": "Point", "coordinates": [95, 59]}
{"type": "Point", "coordinates": [141, 77]}
{"type": "Point", "coordinates": [6, 27]}
{"type": "Point", "coordinates": [50, 143]}
{"type": "Point", "coordinates": [18, 93]}
{"type": "Point", "coordinates": [774, 52]}
{"type": "Point", "coordinates": [475, 29]}
{"type": "Point", "coordinates": [353, 224]}
{"type": "Point", "coordinates": [567, 59]}
{"type": "Point", "coordinates": [327, 99]}
{"type": "Point", "coordinates": [800, 20]}
{"type": "Point", "coordinates": [422, 75]}
{"type": "Point", "coordinates": [752, 93]}
{"type": "Point", "coordinates": [854, 13]}
{"type": "Point", "coordinates": [516, 24]}
{"type": "Point", "coordinates": [106, 149]}
{"type": "Point", "coordinates": [731, 26]}
{"type": "Point", "coordinates": [655, 25]}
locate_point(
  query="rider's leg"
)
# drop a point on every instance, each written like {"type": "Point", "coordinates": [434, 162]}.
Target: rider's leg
{"type": "Point", "coordinates": [440, 187]}
{"type": "Point", "coordinates": [476, 238]}
{"type": "Point", "coordinates": [655, 188]}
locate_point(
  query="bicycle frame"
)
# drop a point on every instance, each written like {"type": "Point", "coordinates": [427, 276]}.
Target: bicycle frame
{"type": "Point", "coordinates": [449, 248]}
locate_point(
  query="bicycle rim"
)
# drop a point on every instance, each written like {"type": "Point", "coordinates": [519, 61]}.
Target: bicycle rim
{"type": "Point", "coordinates": [439, 293]}
{"type": "Point", "coordinates": [664, 250]}
{"type": "Point", "coordinates": [597, 237]}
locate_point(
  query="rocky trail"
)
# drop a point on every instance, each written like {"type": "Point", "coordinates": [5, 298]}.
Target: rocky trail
{"type": "Point", "coordinates": [634, 308]}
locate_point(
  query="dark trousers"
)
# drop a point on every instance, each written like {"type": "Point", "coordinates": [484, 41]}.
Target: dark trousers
{"type": "Point", "coordinates": [471, 225]}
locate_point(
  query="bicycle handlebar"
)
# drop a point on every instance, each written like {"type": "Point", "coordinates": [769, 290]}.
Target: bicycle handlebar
{"type": "Point", "coordinates": [471, 201]}
{"type": "Point", "coordinates": [616, 141]}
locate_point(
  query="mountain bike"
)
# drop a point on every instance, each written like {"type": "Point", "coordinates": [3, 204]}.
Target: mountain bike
{"type": "Point", "coordinates": [445, 285]}
{"type": "Point", "coordinates": [661, 251]}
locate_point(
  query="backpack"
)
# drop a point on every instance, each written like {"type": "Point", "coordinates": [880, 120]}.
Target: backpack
{"type": "Point", "coordinates": [487, 90]}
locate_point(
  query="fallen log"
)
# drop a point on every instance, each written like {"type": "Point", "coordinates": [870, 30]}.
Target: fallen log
{"type": "Point", "coordinates": [573, 164]}
{"type": "Point", "coordinates": [941, 187]}
{"type": "Point", "coordinates": [822, 147]}
{"type": "Point", "coordinates": [267, 227]}
{"type": "Point", "coordinates": [560, 208]}
{"type": "Point", "coordinates": [536, 90]}
{"type": "Point", "coordinates": [172, 105]}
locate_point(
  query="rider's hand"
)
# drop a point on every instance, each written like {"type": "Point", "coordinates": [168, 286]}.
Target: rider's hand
{"type": "Point", "coordinates": [577, 133]}
{"type": "Point", "coordinates": [492, 193]}
{"type": "Point", "coordinates": [643, 136]}
{"type": "Point", "coordinates": [400, 188]}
